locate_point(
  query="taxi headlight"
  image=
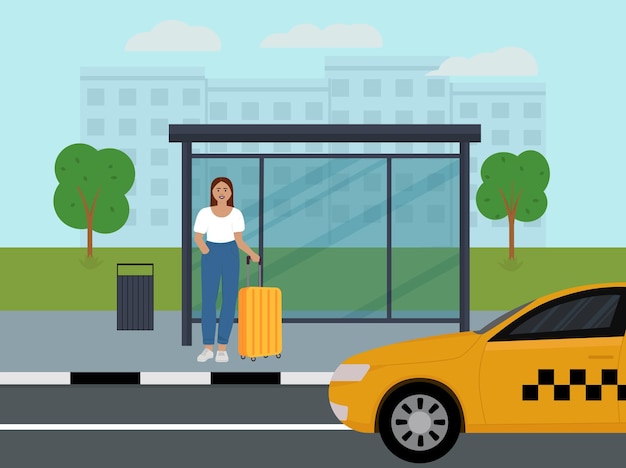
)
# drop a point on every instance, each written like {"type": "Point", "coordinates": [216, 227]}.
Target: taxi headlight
{"type": "Point", "coordinates": [350, 372]}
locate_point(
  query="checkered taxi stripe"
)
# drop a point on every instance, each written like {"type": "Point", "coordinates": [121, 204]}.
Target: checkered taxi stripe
{"type": "Point", "coordinates": [577, 377]}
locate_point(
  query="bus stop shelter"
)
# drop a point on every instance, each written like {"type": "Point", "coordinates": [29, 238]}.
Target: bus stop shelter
{"type": "Point", "coordinates": [456, 137]}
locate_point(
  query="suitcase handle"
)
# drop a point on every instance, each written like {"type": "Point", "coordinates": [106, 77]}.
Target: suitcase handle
{"type": "Point", "coordinates": [248, 271]}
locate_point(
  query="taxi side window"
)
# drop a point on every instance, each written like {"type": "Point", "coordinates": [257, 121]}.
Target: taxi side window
{"type": "Point", "coordinates": [572, 317]}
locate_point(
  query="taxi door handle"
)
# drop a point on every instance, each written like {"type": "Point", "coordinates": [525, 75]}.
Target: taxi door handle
{"type": "Point", "coordinates": [601, 356]}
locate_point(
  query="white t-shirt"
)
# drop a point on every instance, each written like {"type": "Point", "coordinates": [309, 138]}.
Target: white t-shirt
{"type": "Point", "coordinates": [219, 229]}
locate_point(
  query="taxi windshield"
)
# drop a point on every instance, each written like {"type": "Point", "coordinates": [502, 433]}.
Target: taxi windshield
{"type": "Point", "coordinates": [500, 319]}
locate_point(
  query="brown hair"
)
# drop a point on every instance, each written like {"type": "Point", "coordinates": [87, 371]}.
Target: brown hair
{"type": "Point", "coordinates": [227, 181]}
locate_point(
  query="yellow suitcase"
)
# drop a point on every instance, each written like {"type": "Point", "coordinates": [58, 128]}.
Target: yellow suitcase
{"type": "Point", "coordinates": [260, 328]}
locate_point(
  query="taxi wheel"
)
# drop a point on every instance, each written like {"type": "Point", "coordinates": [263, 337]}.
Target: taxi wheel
{"type": "Point", "coordinates": [419, 423]}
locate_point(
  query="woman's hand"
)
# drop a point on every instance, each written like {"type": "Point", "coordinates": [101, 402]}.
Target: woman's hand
{"type": "Point", "coordinates": [204, 249]}
{"type": "Point", "coordinates": [255, 257]}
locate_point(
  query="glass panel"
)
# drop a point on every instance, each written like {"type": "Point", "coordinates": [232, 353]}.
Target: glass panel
{"type": "Point", "coordinates": [244, 174]}
{"type": "Point", "coordinates": [425, 238]}
{"type": "Point", "coordinates": [325, 236]}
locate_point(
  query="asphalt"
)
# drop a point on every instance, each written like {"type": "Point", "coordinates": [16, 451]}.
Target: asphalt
{"type": "Point", "coordinates": [43, 342]}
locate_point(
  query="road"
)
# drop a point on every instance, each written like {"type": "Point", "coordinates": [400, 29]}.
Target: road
{"type": "Point", "coordinates": [176, 405]}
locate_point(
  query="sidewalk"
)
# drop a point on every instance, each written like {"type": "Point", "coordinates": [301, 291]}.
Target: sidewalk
{"type": "Point", "coordinates": [89, 342]}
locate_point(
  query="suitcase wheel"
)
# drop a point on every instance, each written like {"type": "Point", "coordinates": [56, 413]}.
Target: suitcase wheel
{"type": "Point", "coordinates": [243, 357]}
{"type": "Point", "coordinates": [265, 357]}
{"type": "Point", "coordinates": [253, 359]}
{"type": "Point", "coordinates": [278, 356]}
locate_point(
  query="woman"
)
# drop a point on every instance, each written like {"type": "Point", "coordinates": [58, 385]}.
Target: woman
{"type": "Point", "coordinates": [223, 225]}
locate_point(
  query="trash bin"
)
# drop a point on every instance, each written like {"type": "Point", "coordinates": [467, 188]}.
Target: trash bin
{"type": "Point", "coordinates": [135, 296]}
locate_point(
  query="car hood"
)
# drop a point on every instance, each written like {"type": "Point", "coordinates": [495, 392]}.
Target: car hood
{"type": "Point", "coordinates": [433, 348]}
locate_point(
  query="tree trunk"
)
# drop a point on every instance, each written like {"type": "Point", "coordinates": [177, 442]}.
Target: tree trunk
{"type": "Point", "coordinates": [89, 214]}
{"type": "Point", "coordinates": [511, 217]}
{"type": "Point", "coordinates": [89, 235]}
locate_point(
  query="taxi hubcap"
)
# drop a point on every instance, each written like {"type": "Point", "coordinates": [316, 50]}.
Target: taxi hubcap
{"type": "Point", "coordinates": [419, 422]}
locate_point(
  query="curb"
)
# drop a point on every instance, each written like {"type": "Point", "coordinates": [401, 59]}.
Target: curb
{"type": "Point", "coordinates": [165, 378]}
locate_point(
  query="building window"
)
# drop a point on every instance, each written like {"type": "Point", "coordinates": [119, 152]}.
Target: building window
{"type": "Point", "coordinates": [127, 97]}
{"type": "Point", "coordinates": [158, 97]}
{"type": "Point", "coordinates": [340, 213]}
{"type": "Point", "coordinates": [533, 224]}
{"type": "Point", "coordinates": [250, 147]}
{"type": "Point", "coordinates": [436, 117]}
{"type": "Point", "coordinates": [314, 147]}
{"type": "Point", "coordinates": [159, 157]}
{"type": "Point", "coordinates": [132, 218]}
{"type": "Point", "coordinates": [159, 187]}
{"type": "Point", "coordinates": [340, 148]}
{"type": "Point", "coordinates": [372, 214]}
{"type": "Point", "coordinates": [473, 190]}
{"type": "Point", "coordinates": [132, 154]}
{"type": "Point", "coordinates": [217, 111]}
{"type": "Point", "coordinates": [314, 175]}
{"type": "Point", "coordinates": [341, 117]}
{"type": "Point", "coordinates": [500, 110]}
{"type": "Point", "coordinates": [282, 147]}
{"type": "Point", "coordinates": [404, 148]}
{"type": "Point", "coordinates": [191, 97]}
{"type": "Point", "coordinates": [404, 214]}
{"type": "Point", "coordinates": [404, 117]}
{"type": "Point", "coordinates": [372, 148]}
{"type": "Point", "coordinates": [372, 183]}
{"type": "Point", "coordinates": [250, 111]}
{"type": "Point", "coordinates": [436, 88]}
{"type": "Point", "coordinates": [371, 117]}
{"type": "Point", "coordinates": [159, 217]}
{"type": "Point", "coordinates": [282, 175]}
{"type": "Point", "coordinates": [435, 148]}
{"type": "Point", "coordinates": [95, 127]}
{"type": "Point", "coordinates": [313, 111]}
{"type": "Point", "coordinates": [404, 88]}
{"type": "Point", "coordinates": [435, 214]}
{"type": "Point", "coordinates": [532, 137]}
{"type": "Point", "coordinates": [371, 88]}
{"type": "Point", "coordinates": [532, 110]}
{"type": "Point", "coordinates": [158, 127]}
{"type": "Point", "coordinates": [282, 208]}
{"type": "Point", "coordinates": [500, 137]}
{"type": "Point", "coordinates": [128, 127]}
{"type": "Point", "coordinates": [95, 97]}
{"type": "Point", "coordinates": [435, 182]}
{"type": "Point", "coordinates": [250, 175]}
{"type": "Point", "coordinates": [218, 148]}
{"type": "Point", "coordinates": [313, 208]}
{"type": "Point", "coordinates": [473, 219]}
{"type": "Point", "coordinates": [282, 111]}
{"type": "Point", "coordinates": [340, 88]}
{"type": "Point", "coordinates": [468, 110]}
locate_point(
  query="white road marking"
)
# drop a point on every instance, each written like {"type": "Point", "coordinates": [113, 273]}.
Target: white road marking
{"type": "Point", "coordinates": [173, 427]}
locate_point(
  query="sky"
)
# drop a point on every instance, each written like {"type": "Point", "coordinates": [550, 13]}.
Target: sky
{"type": "Point", "coordinates": [577, 49]}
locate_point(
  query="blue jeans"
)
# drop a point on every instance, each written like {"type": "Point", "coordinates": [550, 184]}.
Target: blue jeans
{"type": "Point", "coordinates": [222, 261]}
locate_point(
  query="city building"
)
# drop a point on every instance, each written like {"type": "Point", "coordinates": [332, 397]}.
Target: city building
{"type": "Point", "coordinates": [512, 118]}
{"type": "Point", "coordinates": [130, 109]}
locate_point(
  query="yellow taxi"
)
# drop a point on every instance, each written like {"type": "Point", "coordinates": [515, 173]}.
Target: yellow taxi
{"type": "Point", "coordinates": [556, 364]}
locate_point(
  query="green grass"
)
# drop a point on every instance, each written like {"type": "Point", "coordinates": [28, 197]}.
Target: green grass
{"type": "Point", "coordinates": [311, 279]}
{"type": "Point", "coordinates": [542, 271]}
{"type": "Point", "coordinates": [63, 279]}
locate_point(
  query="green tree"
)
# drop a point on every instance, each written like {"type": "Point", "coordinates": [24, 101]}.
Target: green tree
{"type": "Point", "coordinates": [513, 186]}
{"type": "Point", "coordinates": [92, 189]}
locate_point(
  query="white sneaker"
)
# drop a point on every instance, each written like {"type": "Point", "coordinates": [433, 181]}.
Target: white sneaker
{"type": "Point", "coordinates": [222, 356]}
{"type": "Point", "coordinates": [205, 355]}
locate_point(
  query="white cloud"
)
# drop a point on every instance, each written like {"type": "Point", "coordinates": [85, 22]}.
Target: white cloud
{"type": "Point", "coordinates": [175, 35]}
{"type": "Point", "coordinates": [508, 61]}
{"type": "Point", "coordinates": [334, 36]}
